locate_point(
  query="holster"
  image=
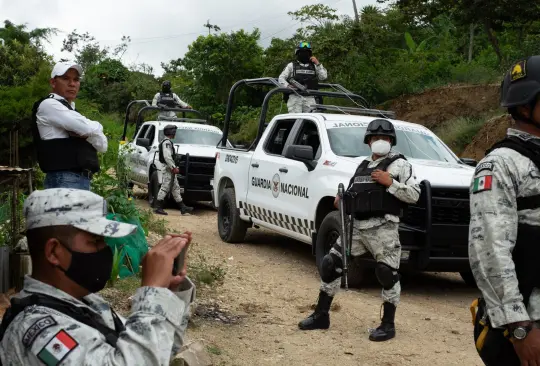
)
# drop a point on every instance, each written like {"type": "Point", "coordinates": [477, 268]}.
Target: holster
{"type": "Point", "coordinates": [492, 344]}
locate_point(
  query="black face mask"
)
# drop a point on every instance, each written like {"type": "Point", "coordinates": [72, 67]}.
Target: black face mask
{"type": "Point", "coordinates": [303, 57]}
{"type": "Point", "coordinates": [90, 270]}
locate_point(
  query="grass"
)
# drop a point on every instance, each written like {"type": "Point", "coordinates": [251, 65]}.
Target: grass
{"type": "Point", "coordinates": [457, 133]}
{"type": "Point", "coordinates": [214, 350]}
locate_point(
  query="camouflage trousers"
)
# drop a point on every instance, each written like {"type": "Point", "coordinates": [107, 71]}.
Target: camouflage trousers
{"type": "Point", "coordinates": [297, 104]}
{"type": "Point", "coordinates": [383, 243]}
{"type": "Point", "coordinates": [170, 184]}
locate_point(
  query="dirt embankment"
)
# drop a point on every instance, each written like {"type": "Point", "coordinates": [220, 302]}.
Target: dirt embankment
{"type": "Point", "coordinates": [436, 106]}
{"type": "Point", "coordinates": [491, 132]}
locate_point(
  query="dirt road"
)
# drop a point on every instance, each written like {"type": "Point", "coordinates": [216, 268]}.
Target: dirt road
{"type": "Point", "coordinates": [271, 283]}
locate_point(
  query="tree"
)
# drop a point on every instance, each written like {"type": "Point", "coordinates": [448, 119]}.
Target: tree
{"type": "Point", "coordinates": [216, 62]}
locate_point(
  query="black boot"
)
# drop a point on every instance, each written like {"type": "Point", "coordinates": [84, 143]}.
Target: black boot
{"type": "Point", "coordinates": [159, 208]}
{"type": "Point", "coordinates": [320, 319]}
{"type": "Point", "coordinates": [387, 329]}
{"type": "Point", "coordinates": [184, 209]}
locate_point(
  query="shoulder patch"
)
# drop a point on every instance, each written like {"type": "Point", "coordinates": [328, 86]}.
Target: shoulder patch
{"type": "Point", "coordinates": [57, 348]}
{"type": "Point", "coordinates": [482, 184]}
{"type": "Point", "coordinates": [36, 328]}
{"type": "Point", "coordinates": [519, 70]}
{"type": "Point", "coordinates": [484, 166]}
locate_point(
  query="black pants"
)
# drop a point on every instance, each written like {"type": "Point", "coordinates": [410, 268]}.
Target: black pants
{"type": "Point", "coordinates": [497, 350]}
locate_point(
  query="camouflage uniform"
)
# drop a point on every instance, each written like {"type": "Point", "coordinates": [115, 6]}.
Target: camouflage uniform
{"type": "Point", "coordinates": [300, 104]}
{"type": "Point", "coordinates": [170, 183]}
{"type": "Point", "coordinates": [154, 329]}
{"type": "Point", "coordinates": [494, 229]}
{"type": "Point", "coordinates": [41, 335]}
{"type": "Point", "coordinates": [379, 236]}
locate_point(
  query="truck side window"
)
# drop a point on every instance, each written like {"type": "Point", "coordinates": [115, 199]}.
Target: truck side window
{"type": "Point", "coordinates": [151, 134]}
{"type": "Point", "coordinates": [309, 136]}
{"type": "Point", "coordinates": [142, 132]}
{"type": "Point", "coordinates": [277, 138]}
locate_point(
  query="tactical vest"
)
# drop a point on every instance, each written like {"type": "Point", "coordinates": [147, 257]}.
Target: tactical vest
{"type": "Point", "coordinates": [369, 198]}
{"type": "Point", "coordinates": [62, 154]}
{"type": "Point", "coordinates": [161, 156]}
{"type": "Point", "coordinates": [167, 99]}
{"type": "Point", "coordinates": [306, 75]}
{"type": "Point", "coordinates": [80, 314]}
{"type": "Point", "coordinates": [526, 252]}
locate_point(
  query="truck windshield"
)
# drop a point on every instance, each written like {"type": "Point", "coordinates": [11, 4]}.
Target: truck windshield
{"type": "Point", "coordinates": [349, 141]}
{"type": "Point", "coordinates": [194, 137]}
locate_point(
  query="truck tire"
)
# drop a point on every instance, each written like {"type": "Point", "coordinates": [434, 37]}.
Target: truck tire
{"type": "Point", "coordinates": [468, 277]}
{"type": "Point", "coordinates": [327, 235]}
{"type": "Point", "coordinates": [153, 189]}
{"type": "Point", "coordinates": [231, 228]}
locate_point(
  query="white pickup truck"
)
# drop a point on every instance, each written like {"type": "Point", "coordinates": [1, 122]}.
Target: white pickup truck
{"type": "Point", "coordinates": [195, 145]}
{"type": "Point", "coordinates": [288, 179]}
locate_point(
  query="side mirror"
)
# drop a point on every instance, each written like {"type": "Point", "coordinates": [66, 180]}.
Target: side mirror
{"type": "Point", "coordinates": [301, 153]}
{"type": "Point", "coordinates": [468, 161]}
{"type": "Point", "coordinates": [144, 143]}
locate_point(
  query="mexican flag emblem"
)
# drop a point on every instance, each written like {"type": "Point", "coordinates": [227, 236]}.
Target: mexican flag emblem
{"type": "Point", "coordinates": [57, 349]}
{"type": "Point", "coordinates": [482, 183]}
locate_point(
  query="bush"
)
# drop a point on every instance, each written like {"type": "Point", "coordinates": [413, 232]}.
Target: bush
{"type": "Point", "coordinates": [458, 133]}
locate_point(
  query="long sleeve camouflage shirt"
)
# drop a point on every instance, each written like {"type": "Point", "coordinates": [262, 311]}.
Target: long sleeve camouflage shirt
{"type": "Point", "coordinates": [404, 186]}
{"type": "Point", "coordinates": [154, 330]}
{"type": "Point", "coordinates": [168, 149]}
{"type": "Point", "coordinates": [500, 178]}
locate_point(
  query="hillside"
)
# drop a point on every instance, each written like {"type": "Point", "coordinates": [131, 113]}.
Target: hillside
{"type": "Point", "coordinates": [447, 107]}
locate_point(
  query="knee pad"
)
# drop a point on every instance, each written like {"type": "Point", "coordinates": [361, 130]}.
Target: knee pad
{"type": "Point", "coordinates": [386, 275]}
{"type": "Point", "coordinates": [331, 268]}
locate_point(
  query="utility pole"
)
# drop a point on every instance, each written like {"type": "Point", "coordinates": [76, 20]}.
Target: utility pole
{"type": "Point", "coordinates": [355, 11]}
{"type": "Point", "coordinates": [208, 25]}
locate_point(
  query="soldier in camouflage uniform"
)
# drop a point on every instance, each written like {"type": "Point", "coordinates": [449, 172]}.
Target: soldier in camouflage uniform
{"type": "Point", "coordinates": [58, 319]}
{"type": "Point", "coordinates": [169, 171]}
{"type": "Point", "coordinates": [504, 250]}
{"type": "Point", "coordinates": [373, 232]}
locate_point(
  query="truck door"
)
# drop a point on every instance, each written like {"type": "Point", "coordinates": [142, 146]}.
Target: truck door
{"type": "Point", "coordinates": [134, 154]}
{"type": "Point", "coordinates": [265, 176]}
{"type": "Point", "coordinates": [297, 194]}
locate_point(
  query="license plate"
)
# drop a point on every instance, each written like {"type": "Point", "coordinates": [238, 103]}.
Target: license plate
{"type": "Point", "coordinates": [405, 254]}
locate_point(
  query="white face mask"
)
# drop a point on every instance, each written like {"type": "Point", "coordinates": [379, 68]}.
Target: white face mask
{"type": "Point", "coordinates": [380, 147]}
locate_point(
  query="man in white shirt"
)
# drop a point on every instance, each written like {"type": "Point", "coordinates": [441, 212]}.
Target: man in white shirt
{"type": "Point", "coordinates": [67, 143]}
{"type": "Point", "coordinates": [166, 98]}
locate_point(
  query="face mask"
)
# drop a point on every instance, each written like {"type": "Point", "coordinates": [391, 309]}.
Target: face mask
{"type": "Point", "coordinates": [90, 270]}
{"type": "Point", "coordinates": [380, 147]}
{"type": "Point", "coordinates": [303, 57]}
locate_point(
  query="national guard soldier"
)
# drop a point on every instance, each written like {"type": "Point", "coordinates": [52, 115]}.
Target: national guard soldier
{"type": "Point", "coordinates": [169, 171]}
{"type": "Point", "coordinates": [375, 232]}
{"type": "Point", "coordinates": [307, 71]}
{"type": "Point", "coordinates": [166, 98]}
{"type": "Point", "coordinates": [59, 319]}
{"type": "Point", "coordinates": [504, 233]}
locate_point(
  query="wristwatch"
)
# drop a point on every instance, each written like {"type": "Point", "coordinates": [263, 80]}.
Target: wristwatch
{"type": "Point", "coordinates": [520, 332]}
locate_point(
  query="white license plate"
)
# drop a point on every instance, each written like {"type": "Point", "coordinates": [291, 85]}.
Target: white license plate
{"type": "Point", "coordinates": [405, 254]}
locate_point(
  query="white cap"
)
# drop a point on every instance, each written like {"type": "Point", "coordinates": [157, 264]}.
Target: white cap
{"type": "Point", "coordinates": [62, 67]}
{"type": "Point", "coordinates": [73, 207]}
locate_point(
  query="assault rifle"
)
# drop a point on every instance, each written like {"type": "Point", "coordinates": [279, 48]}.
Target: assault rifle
{"type": "Point", "coordinates": [346, 230]}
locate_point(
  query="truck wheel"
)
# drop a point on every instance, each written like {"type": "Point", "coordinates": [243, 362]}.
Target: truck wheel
{"type": "Point", "coordinates": [153, 189]}
{"type": "Point", "coordinates": [231, 228]}
{"type": "Point", "coordinates": [327, 235]}
{"type": "Point", "coordinates": [468, 277]}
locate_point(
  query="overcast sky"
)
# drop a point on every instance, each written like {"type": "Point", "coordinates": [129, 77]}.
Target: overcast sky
{"type": "Point", "coordinates": [160, 30]}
